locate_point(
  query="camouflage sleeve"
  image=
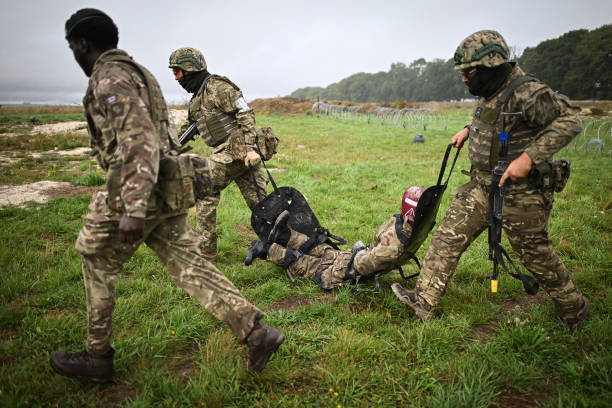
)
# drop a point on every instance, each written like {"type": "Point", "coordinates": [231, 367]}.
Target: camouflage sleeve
{"type": "Point", "coordinates": [552, 113]}
{"type": "Point", "coordinates": [137, 151]}
{"type": "Point", "coordinates": [229, 99]}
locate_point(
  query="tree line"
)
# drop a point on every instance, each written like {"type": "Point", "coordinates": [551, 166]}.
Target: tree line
{"type": "Point", "coordinates": [577, 64]}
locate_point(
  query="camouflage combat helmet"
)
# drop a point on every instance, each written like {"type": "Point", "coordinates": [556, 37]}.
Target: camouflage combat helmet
{"type": "Point", "coordinates": [188, 59]}
{"type": "Point", "coordinates": [483, 48]}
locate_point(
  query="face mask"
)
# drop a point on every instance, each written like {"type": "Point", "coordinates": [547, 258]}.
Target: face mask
{"type": "Point", "coordinates": [487, 81]}
{"type": "Point", "coordinates": [192, 81]}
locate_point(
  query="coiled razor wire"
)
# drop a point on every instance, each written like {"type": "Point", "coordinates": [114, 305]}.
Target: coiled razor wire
{"type": "Point", "coordinates": [409, 118]}
{"type": "Point", "coordinates": [596, 137]}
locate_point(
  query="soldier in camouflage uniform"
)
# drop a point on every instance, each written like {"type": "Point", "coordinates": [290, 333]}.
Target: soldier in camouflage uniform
{"type": "Point", "coordinates": [331, 267]}
{"type": "Point", "coordinates": [227, 124]}
{"type": "Point", "coordinates": [548, 123]}
{"type": "Point", "coordinates": [128, 125]}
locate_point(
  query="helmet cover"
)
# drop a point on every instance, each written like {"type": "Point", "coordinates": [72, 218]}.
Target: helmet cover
{"type": "Point", "coordinates": [483, 48]}
{"type": "Point", "coordinates": [188, 59]}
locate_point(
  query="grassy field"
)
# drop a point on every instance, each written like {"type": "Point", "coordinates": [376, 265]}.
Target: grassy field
{"type": "Point", "coordinates": [343, 349]}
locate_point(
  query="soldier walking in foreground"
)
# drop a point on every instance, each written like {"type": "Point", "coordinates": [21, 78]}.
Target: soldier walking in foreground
{"type": "Point", "coordinates": [331, 267]}
{"type": "Point", "coordinates": [547, 123]}
{"type": "Point", "coordinates": [227, 124]}
{"type": "Point", "coordinates": [128, 125]}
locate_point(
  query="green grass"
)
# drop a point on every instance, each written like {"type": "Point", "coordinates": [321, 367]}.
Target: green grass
{"type": "Point", "coordinates": [343, 348]}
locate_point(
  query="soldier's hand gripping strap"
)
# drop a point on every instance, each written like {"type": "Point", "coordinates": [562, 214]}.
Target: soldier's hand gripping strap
{"type": "Point", "coordinates": [266, 143]}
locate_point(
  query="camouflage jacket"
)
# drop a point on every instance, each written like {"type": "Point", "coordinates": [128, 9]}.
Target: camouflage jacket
{"type": "Point", "coordinates": [127, 121]}
{"type": "Point", "coordinates": [220, 96]}
{"type": "Point", "coordinates": [548, 123]}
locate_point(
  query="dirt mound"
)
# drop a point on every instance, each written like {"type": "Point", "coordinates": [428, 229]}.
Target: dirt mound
{"type": "Point", "coordinates": [285, 105]}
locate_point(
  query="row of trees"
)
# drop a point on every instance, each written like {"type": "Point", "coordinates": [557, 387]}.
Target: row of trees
{"type": "Point", "coordinates": [578, 64]}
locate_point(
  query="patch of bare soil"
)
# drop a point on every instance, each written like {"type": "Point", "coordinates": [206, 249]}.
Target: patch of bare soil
{"type": "Point", "coordinates": [39, 192]}
{"type": "Point", "coordinates": [79, 151]}
{"type": "Point", "coordinates": [282, 105]}
{"type": "Point", "coordinates": [177, 116]}
{"type": "Point", "coordinates": [515, 400]}
{"type": "Point", "coordinates": [484, 332]}
{"type": "Point", "coordinates": [524, 302]}
{"type": "Point", "coordinates": [51, 128]}
{"type": "Point", "coordinates": [8, 158]}
{"type": "Point", "coordinates": [114, 394]}
{"type": "Point", "coordinates": [184, 365]}
{"type": "Point", "coordinates": [292, 303]}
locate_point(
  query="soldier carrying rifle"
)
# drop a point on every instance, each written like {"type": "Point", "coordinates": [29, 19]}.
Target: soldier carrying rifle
{"type": "Point", "coordinates": [547, 122]}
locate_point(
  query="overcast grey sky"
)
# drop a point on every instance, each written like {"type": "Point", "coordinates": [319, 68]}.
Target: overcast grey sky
{"type": "Point", "coordinates": [269, 47]}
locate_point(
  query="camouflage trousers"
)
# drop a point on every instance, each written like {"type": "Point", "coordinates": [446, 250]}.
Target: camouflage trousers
{"type": "Point", "coordinates": [329, 266]}
{"type": "Point", "coordinates": [178, 248]}
{"type": "Point", "coordinates": [525, 224]}
{"type": "Point", "coordinates": [223, 173]}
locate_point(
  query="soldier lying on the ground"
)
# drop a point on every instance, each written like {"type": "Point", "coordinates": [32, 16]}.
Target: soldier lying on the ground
{"type": "Point", "coordinates": [331, 267]}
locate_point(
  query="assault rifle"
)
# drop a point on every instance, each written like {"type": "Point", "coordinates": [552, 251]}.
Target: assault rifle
{"type": "Point", "coordinates": [189, 134]}
{"type": "Point", "coordinates": [496, 207]}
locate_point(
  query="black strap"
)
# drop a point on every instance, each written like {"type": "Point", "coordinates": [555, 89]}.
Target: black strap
{"type": "Point", "coordinates": [530, 285]}
{"type": "Point", "coordinates": [515, 83]}
{"type": "Point", "coordinates": [260, 195]}
{"type": "Point", "coordinates": [444, 161]}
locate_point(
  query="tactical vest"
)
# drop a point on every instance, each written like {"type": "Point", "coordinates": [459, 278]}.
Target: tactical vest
{"type": "Point", "coordinates": [214, 126]}
{"type": "Point", "coordinates": [157, 107]}
{"type": "Point", "coordinates": [486, 125]}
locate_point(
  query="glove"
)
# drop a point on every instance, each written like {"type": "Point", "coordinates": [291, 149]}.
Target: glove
{"type": "Point", "coordinates": [252, 158]}
{"type": "Point", "coordinates": [131, 229]}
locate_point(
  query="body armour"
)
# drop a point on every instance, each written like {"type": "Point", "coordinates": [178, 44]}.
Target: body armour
{"type": "Point", "coordinates": [486, 127]}
{"type": "Point", "coordinates": [214, 125]}
{"type": "Point", "coordinates": [127, 119]}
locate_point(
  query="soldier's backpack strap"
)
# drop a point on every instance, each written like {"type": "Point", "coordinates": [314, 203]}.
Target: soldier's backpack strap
{"type": "Point", "coordinates": [157, 113]}
{"type": "Point", "coordinates": [515, 83]}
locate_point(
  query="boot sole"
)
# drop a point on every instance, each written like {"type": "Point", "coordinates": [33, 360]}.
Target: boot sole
{"type": "Point", "coordinates": [271, 350]}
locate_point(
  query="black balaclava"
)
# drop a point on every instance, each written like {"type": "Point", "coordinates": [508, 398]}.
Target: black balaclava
{"type": "Point", "coordinates": [192, 81]}
{"type": "Point", "coordinates": [487, 81]}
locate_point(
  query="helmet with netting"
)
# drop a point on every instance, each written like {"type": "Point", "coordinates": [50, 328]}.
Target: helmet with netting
{"type": "Point", "coordinates": [188, 59]}
{"type": "Point", "coordinates": [485, 48]}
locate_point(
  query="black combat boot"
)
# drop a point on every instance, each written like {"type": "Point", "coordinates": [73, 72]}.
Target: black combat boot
{"type": "Point", "coordinates": [279, 232]}
{"type": "Point", "coordinates": [263, 341]}
{"type": "Point", "coordinates": [83, 364]}
{"type": "Point", "coordinates": [572, 320]}
{"type": "Point", "coordinates": [257, 249]}
{"type": "Point", "coordinates": [409, 298]}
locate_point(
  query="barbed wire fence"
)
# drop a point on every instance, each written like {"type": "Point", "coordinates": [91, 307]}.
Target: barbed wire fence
{"type": "Point", "coordinates": [409, 118]}
{"type": "Point", "coordinates": [596, 137]}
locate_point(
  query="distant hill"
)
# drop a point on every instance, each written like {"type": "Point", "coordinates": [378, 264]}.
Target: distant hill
{"type": "Point", "coordinates": [578, 64]}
